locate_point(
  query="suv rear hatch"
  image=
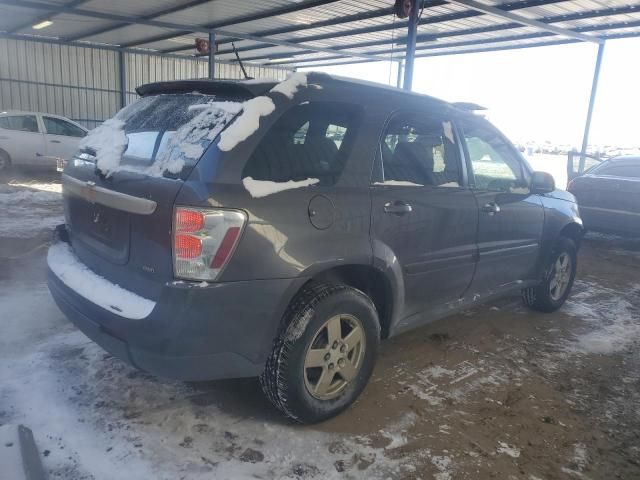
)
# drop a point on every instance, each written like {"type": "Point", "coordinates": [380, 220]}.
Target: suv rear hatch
{"type": "Point", "coordinates": [121, 186]}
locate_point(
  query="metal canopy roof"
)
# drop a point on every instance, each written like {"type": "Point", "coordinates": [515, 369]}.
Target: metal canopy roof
{"type": "Point", "coordinates": [321, 32]}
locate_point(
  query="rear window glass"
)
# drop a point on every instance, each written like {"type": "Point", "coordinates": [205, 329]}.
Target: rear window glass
{"type": "Point", "coordinates": [170, 128]}
{"type": "Point", "coordinates": [309, 141]}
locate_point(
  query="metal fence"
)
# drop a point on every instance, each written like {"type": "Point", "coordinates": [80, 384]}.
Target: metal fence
{"type": "Point", "coordinates": [84, 82]}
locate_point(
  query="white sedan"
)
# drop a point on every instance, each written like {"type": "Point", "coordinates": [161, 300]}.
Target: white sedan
{"type": "Point", "coordinates": [33, 139]}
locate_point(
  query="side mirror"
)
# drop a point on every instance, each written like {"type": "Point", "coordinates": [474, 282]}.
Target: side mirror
{"type": "Point", "coordinates": [542, 182]}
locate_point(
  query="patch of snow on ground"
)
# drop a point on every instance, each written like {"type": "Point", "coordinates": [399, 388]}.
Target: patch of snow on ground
{"type": "Point", "coordinates": [109, 142]}
{"type": "Point", "coordinates": [247, 123]}
{"type": "Point", "coordinates": [262, 188]}
{"type": "Point", "coordinates": [443, 464]}
{"type": "Point", "coordinates": [97, 415]}
{"type": "Point", "coordinates": [290, 86]}
{"type": "Point", "coordinates": [40, 186]}
{"type": "Point", "coordinates": [28, 212]}
{"type": "Point", "coordinates": [613, 321]}
{"type": "Point", "coordinates": [95, 288]}
{"type": "Point", "coordinates": [507, 449]}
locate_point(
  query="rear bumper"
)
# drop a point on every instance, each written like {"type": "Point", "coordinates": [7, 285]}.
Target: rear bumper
{"type": "Point", "coordinates": [194, 333]}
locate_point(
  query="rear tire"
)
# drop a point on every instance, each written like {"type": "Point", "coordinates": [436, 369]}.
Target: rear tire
{"type": "Point", "coordinates": [325, 353]}
{"type": "Point", "coordinates": [558, 280]}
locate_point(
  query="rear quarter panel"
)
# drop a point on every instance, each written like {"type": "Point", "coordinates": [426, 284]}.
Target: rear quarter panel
{"type": "Point", "coordinates": [279, 240]}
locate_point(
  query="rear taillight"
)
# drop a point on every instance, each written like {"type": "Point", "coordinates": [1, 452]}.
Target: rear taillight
{"type": "Point", "coordinates": [203, 241]}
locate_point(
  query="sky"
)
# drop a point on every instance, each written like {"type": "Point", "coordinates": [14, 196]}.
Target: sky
{"type": "Point", "coordinates": [535, 94]}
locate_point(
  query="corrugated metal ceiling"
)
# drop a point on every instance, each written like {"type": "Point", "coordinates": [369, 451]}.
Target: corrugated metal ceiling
{"type": "Point", "coordinates": [365, 27]}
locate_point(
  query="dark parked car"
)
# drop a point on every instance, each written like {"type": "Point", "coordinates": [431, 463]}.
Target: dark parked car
{"type": "Point", "coordinates": [609, 196]}
{"type": "Point", "coordinates": [282, 230]}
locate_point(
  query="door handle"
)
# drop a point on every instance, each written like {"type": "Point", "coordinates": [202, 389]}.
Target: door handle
{"type": "Point", "coordinates": [491, 208]}
{"type": "Point", "coordinates": [55, 141]}
{"type": "Point", "coordinates": [397, 207]}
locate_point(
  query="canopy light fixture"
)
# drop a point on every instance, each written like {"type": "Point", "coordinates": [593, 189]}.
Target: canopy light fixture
{"type": "Point", "coordinates": [41, 25]}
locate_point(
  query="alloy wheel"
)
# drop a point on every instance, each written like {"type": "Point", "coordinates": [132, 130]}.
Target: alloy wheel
{"type": "Point", "coordinates": [334, 356]}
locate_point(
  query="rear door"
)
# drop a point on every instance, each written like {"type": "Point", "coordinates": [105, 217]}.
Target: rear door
{"type": "Point", "coordinates": [61, 137]}
{"type": "Point", "coordinates": [22, 138]}
{"type": "Point", "coordinates": [511, 220]}
{"type": "Point", "coordinates": [423, 211]}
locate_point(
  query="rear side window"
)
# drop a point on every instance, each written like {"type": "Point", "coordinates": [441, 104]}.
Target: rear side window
{"type": "Point", "coordinates": [617, 170]}
{"type": "Point", "coordinates": [22, 123]}
{"type": "Point", "coordinates": [57, 126]}
{"type": "Point", "coordinates": [309, 141]}
{"type": "Point", "coordinates": [419, 151]}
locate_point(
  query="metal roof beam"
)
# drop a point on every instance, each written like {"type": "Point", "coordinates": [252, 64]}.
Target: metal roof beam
{"type": "Point", "coordinates": [472, 31]}
{"type": "Point", "coordinates": [496, 12]}
{"type": "Point", "coordinates": [42, 18]}
{"type": "Point", "coordinates": [478, 50]}
{"type": "Point", "coordinates": [292, 7]}
{"type": "Point", "coordinates": [175, 26]}
{"type": "Point", "coordinates": [150, 16]}
{"type": "Point", "coordinates": [510, 38]}
{"type": "Point", "coordinates": [390, 26]}
{"type": "Point", "coordinates": [367, 15]}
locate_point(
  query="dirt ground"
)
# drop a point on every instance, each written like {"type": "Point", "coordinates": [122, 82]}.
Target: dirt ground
{"type": "Point", "coordinates": [495, 392]}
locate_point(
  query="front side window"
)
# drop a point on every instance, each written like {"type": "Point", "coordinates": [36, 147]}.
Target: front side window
{"type": "Point", "coordinates": [309, 141]}
{"type": "Point", "coordinates": [57, 126]}
{"type": "Point", "coordinates": [420, 151]}
{"type": "Point", "coordinates": [21, 123]}
{"type": "Point", "coordinates": [493, 161]}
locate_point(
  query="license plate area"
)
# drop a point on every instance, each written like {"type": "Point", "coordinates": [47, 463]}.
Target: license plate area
{"type": "Point", "coordinates": [103, 230]}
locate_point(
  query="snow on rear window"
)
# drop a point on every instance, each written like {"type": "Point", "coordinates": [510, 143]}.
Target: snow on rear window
{"type": "Point", "coordinates": [161, 133]}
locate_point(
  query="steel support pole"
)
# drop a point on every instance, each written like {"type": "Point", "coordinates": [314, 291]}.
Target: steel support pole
{"type": "Point", "coordinates": [122, 75]}
{"type": "Point", "coordinates": [212, 55]}
{"type": "Point", "coordinates": [400, 71]}
{"type": "Point", "coordinates": [592, 101]}
{"type": "Point", "coordinates": [411, 44]}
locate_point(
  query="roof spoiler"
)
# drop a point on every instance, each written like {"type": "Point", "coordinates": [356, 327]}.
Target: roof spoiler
{"type": "Point", "coordinates": [206, 86]}
{"type": "Point", "coordinates": [468, 106]}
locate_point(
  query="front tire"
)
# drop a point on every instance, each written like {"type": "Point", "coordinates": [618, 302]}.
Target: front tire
{"type": "Point", "coordinates": [324, 354]}
{"type": "Point", "coordinates": [558, 280]}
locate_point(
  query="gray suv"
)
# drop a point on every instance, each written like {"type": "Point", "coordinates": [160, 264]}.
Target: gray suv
{"type": "Point", "coordinates": [220, 229]}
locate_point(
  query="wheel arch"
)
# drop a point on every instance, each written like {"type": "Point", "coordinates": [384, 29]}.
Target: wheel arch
{"type": "Point", "coordinates": [574, 231]}
{"type": "Point", "coordinates": [369, 280]}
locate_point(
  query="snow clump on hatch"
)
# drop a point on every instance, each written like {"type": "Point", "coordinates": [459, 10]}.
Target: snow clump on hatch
{"type": "Point", "coordinates": [247, 123]}
{"type": "Point", "coordinates": [109, 143]}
